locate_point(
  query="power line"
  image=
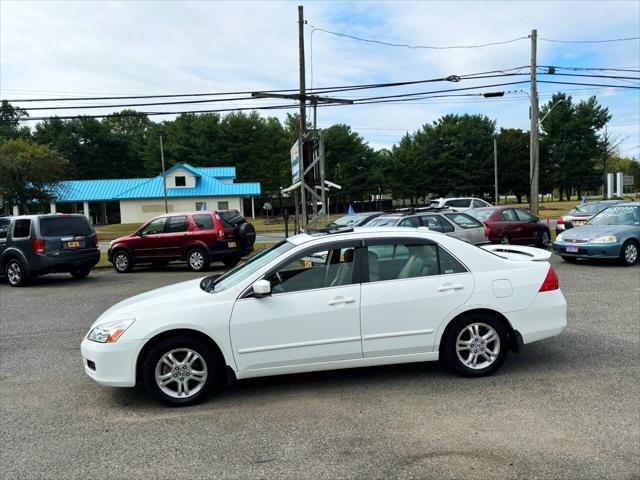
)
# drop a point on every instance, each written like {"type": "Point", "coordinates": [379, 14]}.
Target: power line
{"type": "Point", "coordinates": [595, 69]}
{"type": "Point", "coordinates": [590, 84]}
{"type": "Point", "coordinates": [406, 45]}
{"type": "Point", "coordinates": [610, 40]}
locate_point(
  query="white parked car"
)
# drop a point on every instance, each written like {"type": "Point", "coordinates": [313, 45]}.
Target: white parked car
{"type": "Point", "coordinates": [459, 204]}
{"type": "Point", "coordinates": [381, 296]}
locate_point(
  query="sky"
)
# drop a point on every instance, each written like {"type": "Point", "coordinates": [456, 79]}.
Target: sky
{"type": "Point", "coordinates": [82, 48]}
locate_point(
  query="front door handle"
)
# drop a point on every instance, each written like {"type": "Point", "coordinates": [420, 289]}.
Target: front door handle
{"type": "Point", "coordinates": [340, 300]}
{"type": "Point", "coordinates": [448, 286]}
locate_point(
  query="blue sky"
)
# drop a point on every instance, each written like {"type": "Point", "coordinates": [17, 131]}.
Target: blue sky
{"type": "Point", "coordinates": [112, 48]}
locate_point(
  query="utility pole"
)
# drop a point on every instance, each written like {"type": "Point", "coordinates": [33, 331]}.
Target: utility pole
{"type": "Point", "coordinates": [303, 120]}
{"type": "Point", "coordinates": [495, 168]}
{"type": "Point", "coordinates": [534, 147]}
{"type": "Point", "coordinates": [164, 177]}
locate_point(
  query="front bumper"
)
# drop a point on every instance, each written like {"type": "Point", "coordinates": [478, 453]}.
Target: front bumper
{"type": "Point", "coordinates": [114, 364]}
{"type": "Point", "coordinates": [546, 317]}
{"type": "Point", "coordinates": [588, 250]}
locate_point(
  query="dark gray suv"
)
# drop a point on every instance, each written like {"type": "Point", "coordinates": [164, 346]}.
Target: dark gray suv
{"type": "Point", "coordinates": [32, 245]}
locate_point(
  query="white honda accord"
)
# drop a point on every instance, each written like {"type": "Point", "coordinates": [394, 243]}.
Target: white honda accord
{"type": "Point", "coordinates": [341, 299]}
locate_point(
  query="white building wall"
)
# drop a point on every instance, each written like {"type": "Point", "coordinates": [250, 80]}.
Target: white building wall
{"type": "Point", "coordinates": [190, 179]}
{"type": "Point", "coordinates": [139, 211]}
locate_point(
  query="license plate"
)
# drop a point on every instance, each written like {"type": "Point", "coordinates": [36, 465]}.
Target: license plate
{"type": "Point", "coordinates": [572, 249]}
{"type": "Point", "coordinates": [579, 222]}
{"type": "Point", "coordinates": [73, 244]}
{"type": "Point", "coordinates": [232, 244]}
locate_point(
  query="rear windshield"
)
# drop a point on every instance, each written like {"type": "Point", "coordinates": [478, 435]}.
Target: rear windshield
{"type": "Point", "coordinates": [588, 208]}
{"type": "Point", "coordinates": [231, 218]}
{"type": "Point", "coordinates": [63, 226]}
{"type": "Point", "coordinates": [382, 221]}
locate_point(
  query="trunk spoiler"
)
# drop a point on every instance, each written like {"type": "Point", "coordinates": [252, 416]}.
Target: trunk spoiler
{"type": "Point", "coordinates": [519, 252]}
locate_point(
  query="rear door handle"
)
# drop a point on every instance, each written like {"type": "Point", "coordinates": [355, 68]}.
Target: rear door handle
{"type": "Point", "coordinates": [340, 300]}
{"type": "Point", "coordinates": [448, 286]}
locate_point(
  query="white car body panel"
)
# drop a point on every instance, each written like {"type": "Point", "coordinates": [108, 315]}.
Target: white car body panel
{"type": "Point", "coordinates": [300, 331]}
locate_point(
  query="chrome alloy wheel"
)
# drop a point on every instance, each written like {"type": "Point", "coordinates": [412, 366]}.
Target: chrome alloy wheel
{"type": "Point", "coordinates": [544, 240]}
{"type": "Point", "coordinates": [14, 273]}
{"type": "Point", "coordinates": [196, 259]}
{"type": "Point", "coordinates": [631, 253]}
{"type": "Point", "coordinates": [122, 261]}
{"type": "Point", "coordinates": [181, 373]}
{"type": "Point", "coordinates": [478, 346]}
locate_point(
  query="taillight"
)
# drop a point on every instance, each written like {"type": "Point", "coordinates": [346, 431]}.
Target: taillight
{"type": "Point", "coordinates": [550, 281]}
{"type": "Point", "coordinates": [560, 220]}
{"type": "Point", "coordinates": [487, 230]}
{"type": "Point", "coordinates": [95, 240]}
{"type": "Point", "coordinates": [38, 246]}
{"type": "Point", "coordinates": [219, 226]}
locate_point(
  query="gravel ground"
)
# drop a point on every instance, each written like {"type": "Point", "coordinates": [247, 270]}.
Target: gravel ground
{"type": "Point", "coordinates": [565, 408]}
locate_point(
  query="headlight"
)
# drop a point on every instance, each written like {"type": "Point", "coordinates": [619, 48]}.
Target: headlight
{"type": "Point", "coordinates": [605, 239]}
{"type": "Point", "coordinates": [109, 332]}
{"type": "Point", "coordinates": [559, 238]}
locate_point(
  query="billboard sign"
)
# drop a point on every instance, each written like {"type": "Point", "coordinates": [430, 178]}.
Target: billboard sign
{"type": "Point", "coordinates": [295, 163]}
{"type": "Point", "coordinates": [627, 180]}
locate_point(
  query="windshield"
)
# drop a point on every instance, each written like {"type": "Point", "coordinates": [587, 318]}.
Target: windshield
{"type": "Point", "coordinates": [587, 208]}
{"type": "Point", "coordinates": [481, 214]}
{"type": "Point", "coordinates": [617, 216]}
{"type": "Point", "coordinates": [348, 221]}
{"type": "Point", "coordinates": [246, 269]}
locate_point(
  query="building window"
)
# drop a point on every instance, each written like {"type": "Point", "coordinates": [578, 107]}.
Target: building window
{"type": "Point", "coordinates": [199, 206]}
{"type": "Point", "coordinates": [223, 205]}
{"type": "Point", "coordinates": [181, 181]}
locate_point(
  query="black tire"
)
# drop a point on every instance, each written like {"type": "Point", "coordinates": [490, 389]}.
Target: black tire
{"type": "Point", "coordinates": [544, 240]}
{"type": "Point", "coordinates": [504, 240]}
{"type": "Point", "coordinates": [231, 260]}
{"type": "Point", "coordinates": [153, 362]}
{"type": "Point", "coordinates": [569, 259]}
{"type": "Point", "coordinates": [80, 272]}
{"type": "Point", "coordinates": [246, 235]}
{"type": "Point", "coordinates": [460, 328]}
{"type": "Point", "coordinates": [122, 261]}
{"type": "Point", "coordinates": [198, 259]}
{"type": "Point", "coordinates": [16, 273]}
{"type": "Point", "coordinates": [629, 253]}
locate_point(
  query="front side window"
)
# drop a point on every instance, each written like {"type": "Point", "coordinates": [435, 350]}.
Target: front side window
{"type": "Point", "coordinates": [203, 221]}
{"type": "Point", "coordinates": [617, 216]}
{"type": "Point", "coordinates": [4, 230]}
{"type": "Point", "coordinates": [523, 216]}
{"type": "Point", "coordinates": [508, 216]}
{"type": "Point", "coordinates": [463, 220]}
{"type": "Point", "coordinates": [311, 270]}
{"type": "Point", "coordinates": [459, 203]}
{"type": "Point", "coordinates": [177, 224]}
{"type": "Point", "coordinates": [154, 226]}
{"type": "Point", "coordinates": [437, 223]}
{"type": "Point", "coordinates": [22, 228]}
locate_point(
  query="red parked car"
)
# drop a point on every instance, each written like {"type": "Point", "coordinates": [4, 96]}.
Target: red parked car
{"type": "Point", "coordinates": [512, 225]}
{"type": "Point", "coordinates": [198, 238]}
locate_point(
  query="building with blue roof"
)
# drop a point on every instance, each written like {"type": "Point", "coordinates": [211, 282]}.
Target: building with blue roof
{"type": "Point", "coordinates": [188, 188]}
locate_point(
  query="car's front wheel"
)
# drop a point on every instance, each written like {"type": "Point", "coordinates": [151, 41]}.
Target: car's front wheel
{"type": "Point", "coordinates": [476, 345]}
{"type": "Point", "coordinates": [122, 262]}
{"type": "Point", "coordinates": [629, 253]}
{"type": "Point", "coordinates": [15, 273]}
{"type": "Point", "coordinates": [180, 371]}
{"type": "Point", "coordinates": [543, 241]}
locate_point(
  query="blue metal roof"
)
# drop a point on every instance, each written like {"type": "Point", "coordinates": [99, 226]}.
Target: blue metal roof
{"type": "Point", "coordinates": [207, 185]}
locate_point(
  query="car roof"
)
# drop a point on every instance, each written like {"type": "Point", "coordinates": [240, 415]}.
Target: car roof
{"type": "Point", "coordinates": [358, 232]}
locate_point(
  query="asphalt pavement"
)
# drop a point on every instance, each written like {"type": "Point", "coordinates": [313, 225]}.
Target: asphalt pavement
{"type": "Point", "coordinates": [566, 407]}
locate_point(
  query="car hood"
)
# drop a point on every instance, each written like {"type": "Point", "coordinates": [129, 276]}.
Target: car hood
{"type": "Point", "coordinates": [148, 304]}
{"type": "Point", "coordinates": [588, 232]}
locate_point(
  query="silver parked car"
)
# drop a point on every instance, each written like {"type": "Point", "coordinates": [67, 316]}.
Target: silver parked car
{"type": "Point", "coordinates": [454, 224]}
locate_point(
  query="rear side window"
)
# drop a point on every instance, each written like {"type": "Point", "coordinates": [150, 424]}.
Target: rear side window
{"type": "Point", "coordinates": [479, 203]}
{"type": "Point", "coordinates": [64, 226]}
{"type": "Point", "coordinates": [509, 215]}
{"type": "Point", "coordinates": [464, 220]}
{"type": "Point", "coordinates": [203, 222]}
{"type": "Point", "coordinates": [405, 261]}
{"type": "Point", "coordinates": [4, 230]}
{"type": "Point", "coordinates": [22, 228]}
{"type": "Point", "coordinates": [177, 224]}
{"type": "Point", "coordinates": [437, 223]}
{"type": "Point", "coordinates": [523, 216]}
{"type": "Point", "coordinates": [448, 264]}
{"type": "Point", "coordinates": [460, 203]}
{"type": "Point", "coordinates": [410, 222]}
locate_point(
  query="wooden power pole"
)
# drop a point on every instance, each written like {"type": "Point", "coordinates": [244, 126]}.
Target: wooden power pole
{"type": "Point", "coordinates": [495, 169]}
{"type": "Point", "coordinates": [534, 144]}
{"type": "Point", "coordinates": [303, 120]}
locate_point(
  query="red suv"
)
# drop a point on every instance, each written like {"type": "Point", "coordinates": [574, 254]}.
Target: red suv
{"type": "Point", "coordinates": [198, 238]}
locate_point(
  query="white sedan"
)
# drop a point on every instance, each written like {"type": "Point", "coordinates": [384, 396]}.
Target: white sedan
{"type": "Point", "coordinates": [380, 296]}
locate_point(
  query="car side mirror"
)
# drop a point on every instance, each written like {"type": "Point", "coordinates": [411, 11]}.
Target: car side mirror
{"type": "Point", "coordinates": [261, 288]}
{"type": "Point", "coordinates": [535, 219]}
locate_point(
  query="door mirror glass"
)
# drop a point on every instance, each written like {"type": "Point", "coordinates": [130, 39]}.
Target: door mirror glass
{"type": "Point", "coordinates": [262, 288]}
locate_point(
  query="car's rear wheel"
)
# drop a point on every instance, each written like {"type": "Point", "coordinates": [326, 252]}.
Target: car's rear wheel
{"type": "Point", "coordinates": [543, 241]}
{"type": "Point", "coordinates": [198, 260]}
{"type": "Point", "coordinates": [122, 261]}
{"type": "Point", "coordinates": [180, 371]}
{"type": "Point", "coordinates": [15, 273]}
{"type": "Point", "coordinates": [231, 260]}
{"type": "Point", "coordinates": [504, 240]}
{"type": "Point", "coordinates": [81, 273]}
{"type": "Point", "coordinates": [629, 253]}
{"type": "Point", "coordinates": [476, 345]}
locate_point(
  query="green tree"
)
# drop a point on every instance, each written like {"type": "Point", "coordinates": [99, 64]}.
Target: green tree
{"type": "Point", "coordinates": [570, 135]}
{"type": "Point", "coordinates": [28, 172]}
{"type": "Point", "coordinates": [10, 122]}
{"type": "Point", "coordinates": [513, 162]}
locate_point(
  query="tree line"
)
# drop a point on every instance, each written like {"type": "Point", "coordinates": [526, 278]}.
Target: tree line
{"type": "Point", "coordinates": [450, 156]}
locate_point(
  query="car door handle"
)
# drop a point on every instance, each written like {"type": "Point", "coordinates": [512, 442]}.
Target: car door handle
{"type": "Point", "coordinates": [448, 286]}
{"type": "Point", "coordinates": [340, 300]}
